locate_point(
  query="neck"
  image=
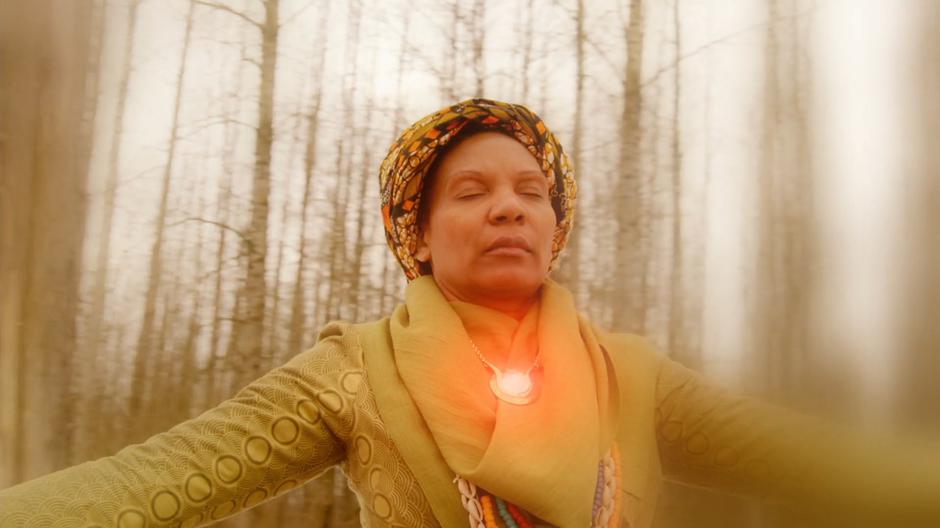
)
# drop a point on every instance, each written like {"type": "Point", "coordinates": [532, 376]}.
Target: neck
{"type": "Point", "coordinates": [513, 306]}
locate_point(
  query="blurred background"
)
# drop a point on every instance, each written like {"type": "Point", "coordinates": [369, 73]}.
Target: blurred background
{"type": "Point", "coordinates": [189, 191]}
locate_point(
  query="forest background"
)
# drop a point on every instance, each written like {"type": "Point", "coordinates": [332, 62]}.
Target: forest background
{"type": "Point", "coordinates": [189, 191]}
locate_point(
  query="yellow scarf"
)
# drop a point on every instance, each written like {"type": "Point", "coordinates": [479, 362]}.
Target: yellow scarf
{"type": "Point", "coordinates": [542, 456]}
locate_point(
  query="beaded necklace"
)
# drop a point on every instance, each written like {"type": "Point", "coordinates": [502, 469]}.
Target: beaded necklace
{"type": "Point", "coordinates": [485, 510]}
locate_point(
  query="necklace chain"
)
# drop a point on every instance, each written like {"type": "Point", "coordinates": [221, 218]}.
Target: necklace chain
{"type": "Point", "coordinates": [493, 368]}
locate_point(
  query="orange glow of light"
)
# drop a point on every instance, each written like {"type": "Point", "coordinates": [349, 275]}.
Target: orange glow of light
{"type": "Point", "coordinates": [515, 383]}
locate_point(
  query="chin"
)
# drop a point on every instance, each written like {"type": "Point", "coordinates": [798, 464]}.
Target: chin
{"type": "Point", "coordinates": [512, 281]}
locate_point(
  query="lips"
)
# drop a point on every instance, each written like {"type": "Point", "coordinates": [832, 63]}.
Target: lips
{"type": "Point", "coordinates": [515, 241]}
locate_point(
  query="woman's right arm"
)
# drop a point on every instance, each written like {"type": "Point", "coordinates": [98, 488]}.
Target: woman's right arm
{"type": "Point", "coordinates": [275, 434]}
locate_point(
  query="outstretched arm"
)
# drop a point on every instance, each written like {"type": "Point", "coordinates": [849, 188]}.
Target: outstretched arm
{"type": "Point", "coordinates": [710, 437]}
{"type": "Point", "coordinates": [269, 438]}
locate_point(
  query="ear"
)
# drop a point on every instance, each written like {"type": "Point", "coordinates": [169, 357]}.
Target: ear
{"type": "Point", "coordinates": [423, 250]}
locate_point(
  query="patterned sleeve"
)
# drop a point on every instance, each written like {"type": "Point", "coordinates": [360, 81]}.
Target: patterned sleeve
{"type": "Point", "coordinates": [711, 437]}
{"type": "Point", "coordinates": [274, 435]}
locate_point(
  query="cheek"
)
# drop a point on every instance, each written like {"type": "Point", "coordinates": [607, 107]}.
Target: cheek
{"type": "Point", "coordinates": [547, 229]}
{"type": "Point", "coordinates": [454, 234]}
{"type": "Point", "coordinates": [451, 226]}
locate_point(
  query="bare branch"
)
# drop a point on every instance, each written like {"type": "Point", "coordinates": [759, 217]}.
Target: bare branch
{"type": "Point", "coordinates": [251, 61]}
{"type": "Point", "coordinates": [227, 227]}
{"type": "Point", "coordinates": [708, 45]}
{"type": "Point", "coordinates": [227, 9]}
{"type": "Point", "coordinates": [200, 126]}
{"type": "Point", "coordinates": [587, 38]}
{"type": "Point", "coordinates": [297, 13]}
{"type": "Point", "coordinates": [430, 20]}
{"type": "Point", "coordinates": [414, 51]}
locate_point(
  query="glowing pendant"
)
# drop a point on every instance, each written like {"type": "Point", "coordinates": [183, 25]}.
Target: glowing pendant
{"type": "Point", "coordinates": [512, 387]}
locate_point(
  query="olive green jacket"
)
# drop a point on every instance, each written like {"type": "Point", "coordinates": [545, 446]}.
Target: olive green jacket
{"type": "Point", "coordinates": [342, 402]}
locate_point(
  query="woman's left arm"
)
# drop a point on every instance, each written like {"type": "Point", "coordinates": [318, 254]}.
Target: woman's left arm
{"type": "Point", "coordinates": [711, 437]}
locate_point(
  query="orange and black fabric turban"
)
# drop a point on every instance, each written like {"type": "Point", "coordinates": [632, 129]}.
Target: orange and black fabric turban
{"type": "Point", "coordinates": [404, 170]}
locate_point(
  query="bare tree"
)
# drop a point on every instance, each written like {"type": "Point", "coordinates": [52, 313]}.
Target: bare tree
{"type": "Point", "coordinates": [920, 393]}
{"type": "Point", "coordinates": [147, 334]}
{"type": "Point", "coordinates": [171, 354]}
{"type": "Point", "coordinates": [298, 318]}
{"type": "Point", "coordinates": [246, 345]}
{"type": "Point", "coordinates": [87, 359]}
{"type": "Point", "coordinates": [93, 343]}
{"type": "Point", "coordinates": [784, 260]}
{"type": "Point", "coordinates": [389, 264]}
{"type": "Point", "coordinates": [223, 219]}
{"type": "Point", "coordinates": [680, 295]}
{"type": "Point", "coordinates": [365, 207]}
{"type": "Point", "coordinates": [477, 44]}
{"type": "Point", "coordinates": [188, 371]}
{"type": "Point", "coordinates": [100, 278]}
{"type": "Point", "coordinates": [43, 169]}
{"type": "Point", "coordinates": [278, 353]}
{"type": "Point", "coordinates": [448, 81]}
{"type": "Point", "coordinates": [527, 45]}
{"type": "Point", "coordinates": [574, 273]}
{"type": "Point", "coordinates": [631, 259]}
{"type": "Point", "coordinates": [338, 280]}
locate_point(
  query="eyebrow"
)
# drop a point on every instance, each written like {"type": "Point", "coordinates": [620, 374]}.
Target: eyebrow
{"type": "Point", "coordinates": [470, 174]}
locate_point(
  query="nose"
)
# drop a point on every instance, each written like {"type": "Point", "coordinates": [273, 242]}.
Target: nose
{"type": "Point", "coordinates": [507, 207]}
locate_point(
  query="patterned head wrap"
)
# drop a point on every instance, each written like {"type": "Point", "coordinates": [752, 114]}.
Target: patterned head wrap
{"type": "Point", "coordinates": [403, 171]}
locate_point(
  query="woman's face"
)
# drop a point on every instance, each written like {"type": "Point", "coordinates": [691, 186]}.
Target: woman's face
{"type": "Point", "coordinates": [489, 229]}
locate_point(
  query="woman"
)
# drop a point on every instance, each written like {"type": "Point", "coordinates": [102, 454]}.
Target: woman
{"type": "Point", "coordinates": [485, 399]}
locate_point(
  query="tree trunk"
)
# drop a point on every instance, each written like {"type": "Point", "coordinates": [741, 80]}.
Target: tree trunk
{"type": "Point", "coordinates": [527, 45]}
{"type": "Point", "coordinates": [366, 205]}
{"type": "Point", "coordinates": [389, 263]}
{"type": "Point", "coordinates": [45, 48]}
{"type": "Point", "coordinates": [274, 316]}
{"type": "Point", "coordinates": [94, 341]}
{"type": "Point", "coordinates": [223, 215]}
{"type": "Point", "coordinates": [338, 282]}
{"type": "Point", "coordinates": [570, 273]}
{"type": "Point", "coordinates": [919, 398]}
{"type": "Point", "coordinates": [785, 221]}
{"type": "Point", "coordinates": [298, 318]}
{"type": "Point", "coordinates": [478, 25]}
{"type": "Point", "coordinates": [145, 345]}
{"type": "Point", "coordinates": [679, 345]}
{"type": "Point", "coordinates": [631, 253]}
{"type": "Point", "coordinates": [185, 386]}
{"type": "Point", "coordinates": [451, 51]}
{"type": "Point", "coordinates": [248, 328]}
